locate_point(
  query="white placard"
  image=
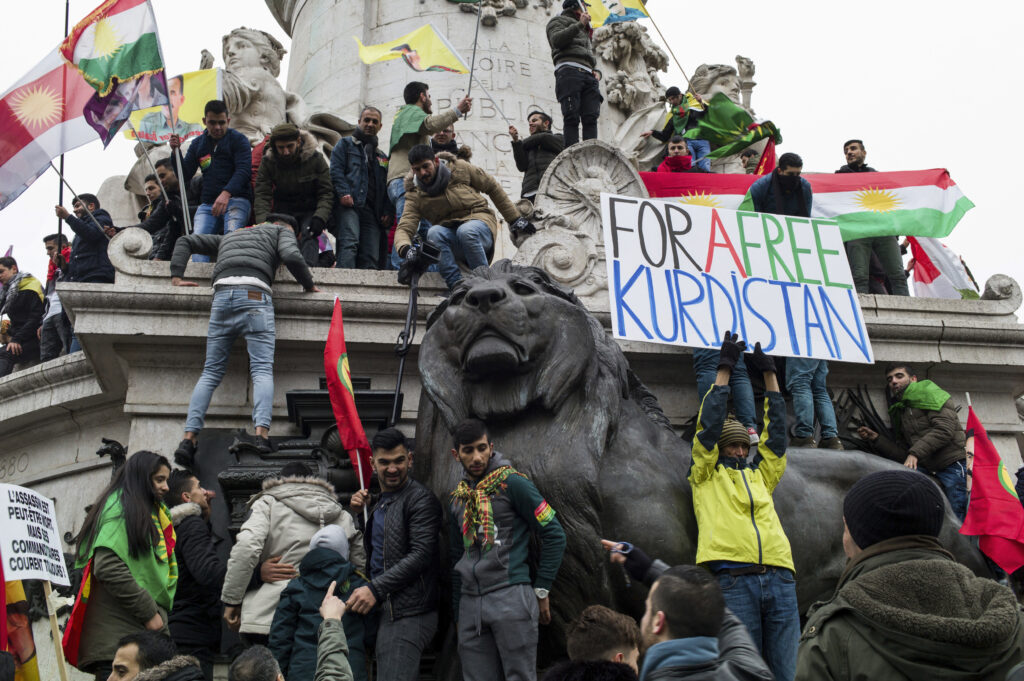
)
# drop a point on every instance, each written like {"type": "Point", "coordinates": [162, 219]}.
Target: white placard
{"type": "Point", "coordinates": [29, 540]}
{"type": "Point", "coordinates": [682, 274]}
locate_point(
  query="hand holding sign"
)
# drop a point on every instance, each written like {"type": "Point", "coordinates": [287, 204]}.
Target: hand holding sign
{"type": "Point", "coordinates": [760, 361]}
{"type": "Point", "coordinates": [731, 351]}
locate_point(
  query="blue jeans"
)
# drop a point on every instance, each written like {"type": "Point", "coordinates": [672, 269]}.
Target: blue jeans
{"type": "Point", "coordinates": [237, 311]}
{"type": "Point", "coordinates": [471, 242]}
{"type": "Point", "coordinates": [953, 479]}
{"type": "Point", "coordinates": [767, 606]}
{"type": "Point", "coordinates": [805, 380]}
{"type": "Point", "coordinates": [400, 644]}
{"type": "Point", "coordinates": [705, 365]}
{"type": "Point", "coordinates": [359, 236]}
{"type": "Point", "coordinates": [698, 150]}
{"type": "Point", "coordinates": [234, 218]}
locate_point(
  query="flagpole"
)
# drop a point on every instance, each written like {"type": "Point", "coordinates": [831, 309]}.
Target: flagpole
{"type": "Point", "coordinates": [186, 217]}
{"type": "Point", "coordinates": [62, 665]}
{"type": "Point", "coordinates": [61, 175]}
{"type": "Point", "coordinates": [493, 101]}
{"type": "Point", "coordinates": [64, 98]}
{"type": "Point", "coordinates": [968, 399]}
{"type": "Point", "coordinates": [362, 485]}
{"type": "Point", "coordinates": [472, 63]}
{"type": "Point", "coordinates": [145, 152]}
{"type": "Point", "coordinates": [668, 45]}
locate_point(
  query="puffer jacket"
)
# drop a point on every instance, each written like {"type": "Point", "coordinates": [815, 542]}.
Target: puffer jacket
{"type": "Point", "coordinates": [195, 617]}
{"type": "Point", "coordinates": [293, 632]}
{"type": "Point", "coordinates": [936, 438]}
{"type": "Point", "coordinates": [732, 656]}
{"type": "Point", "coordinates": [298, 188]}
{"type": "Point", "coordinates": [250, 252]}
{"type": "Point", "coordinates": [283, 518]}
{"type": "Point", "coordinates": [733, 501]}
{"type": "Point", "coordinates": [570, 40]}
{"type": "Point", "coordinates": [905, 610]}
{"type": "Point", "coordinates": [351, 174]}
{"type": "Point", "coordinates": [89, 260]}
{"type": "Point", "coordinates": [408, 585]}
{"type": "Point", "coordinates": [179, 668]}
{"type": "Point", "coordinates": [462, 200]}
{"type": "Point", "coordinates": [534, 154]}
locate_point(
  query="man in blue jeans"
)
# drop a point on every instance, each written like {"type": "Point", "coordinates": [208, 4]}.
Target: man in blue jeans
{"type": "Point", "coordinates": [449, 193]}
{"type": "Point", "coordinates": [705, 366]}
{"type": "Point", "coordinates": [225, 157]}
{"type": "Point", "coordinates": [929, 437]}
{"type": "Point", "coordinates": [242, 306]}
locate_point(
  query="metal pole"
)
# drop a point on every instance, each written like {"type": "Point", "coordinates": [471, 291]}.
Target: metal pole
{"type": "Point", "coordinates": [185, 216]}
{"type": "Point", "coordinates": [493, 101]}
{"type": "Point", "coordinates": [145, 152]}
{"type": "Point", "coordinates": [668, 45]}
{"type": "Point", "coordinates": [476, 37]}
{"type": "Point", "coordinates": [405, 342]}
{"type": "Point", "coordinates": [75, 198]}
{"type": "Point", "coordinates": [64, 98]}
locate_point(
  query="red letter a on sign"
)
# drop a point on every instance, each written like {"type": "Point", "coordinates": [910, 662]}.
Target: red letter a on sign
{"type": "Point", "coordinates": [716, 225]}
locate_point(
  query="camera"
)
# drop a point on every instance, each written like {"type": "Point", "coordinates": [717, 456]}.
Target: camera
{"type": "Point", "coordinates": [418, 257]}
{"type": "Point", "coordinates": [522, 228]}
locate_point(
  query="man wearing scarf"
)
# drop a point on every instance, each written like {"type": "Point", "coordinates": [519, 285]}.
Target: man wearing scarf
{"type": "Point", "coordinates": [21, 301]}
{"type": "Point", "coordinates": [359, 171]}
{"type": "Point", "coordinates": [928, 433]}
{"type": "Point", "coordinates": [784, 192]}
{"type": "Point", "coordinates": [494, 510]}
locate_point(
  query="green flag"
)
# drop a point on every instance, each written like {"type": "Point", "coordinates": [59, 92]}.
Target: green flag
{"type": "Point", "coordinates": [729, 128]}
{"type": "Point", "coordinates": [408, 120]}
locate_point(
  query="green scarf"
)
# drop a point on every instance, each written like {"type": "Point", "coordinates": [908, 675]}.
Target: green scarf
{"type": "Point", "coordinates": [407, 121]}
{"type": "Point", "coordinates": [155, 571]}
{"type": "Point", "coordinates": [918, 395]}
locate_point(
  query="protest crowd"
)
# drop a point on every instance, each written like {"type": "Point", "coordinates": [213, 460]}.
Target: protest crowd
{"type": "Point", "coordinates": [316, 590]}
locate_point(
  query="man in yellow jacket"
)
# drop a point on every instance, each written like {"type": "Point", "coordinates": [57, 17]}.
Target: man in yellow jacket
{"type": "Point", "coordinates": [740, 537]}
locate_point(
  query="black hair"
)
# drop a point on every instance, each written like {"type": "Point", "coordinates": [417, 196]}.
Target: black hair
{"type": "Point", "coordinates": [590, 670]}
{"type": "Point", "coordinates": [151, 178]}
{"type": "Point", "coordinates": [8, 262]}
{"type": "Point", "coordinates": [790, 160]}
{"type": "Point", "coordinates": [165, 163]}
{"type": "Point", "coordinates": [421, 153]}
{"type": "Point", "coordinates": [673, 92]}
{"type": "Point", "coordinates": [179, 483]}
{"type": "Point", "coordinates": [467, 431]}
{"type": "Point", "coordinates": [254, 664]}
{"type": "Point", "coordinates": [371, 108]}
{"type": "Point", "coordinates": [543, 116]}
{"type": "Point", "coordinates": [133, 482]}
{"type": "Point", "coordinates": [600, 632]}
{"type": "Point", "coordinates": [53, 237]}
{"type": "Point", "coordinates": [296, 469]}
{"type": "Point", "coordinates": [285, 218]}
{"type": "Point", "coordinates": [893, 366]}
{"type": "Point", "coordinates": [154, 648]}
{"type": "Point", "coordinates": [181, 82]}
{"type": "Point", "coordinates": [691, 599]}
{"type": "Point", "coordinates": [676, 139]}
{"type": "Point", "coordinates": [849, 142]}
{"type": "Point", "coordinates": [388, 439]}
{"type": "Point", "coordinates": [748, 152]}
{"type": "Point", "coordinates": [413, 90]}
{"type": "Point", "coordinates": [215, 106]}
{"type": "Point", "coordinates": [86, 199]}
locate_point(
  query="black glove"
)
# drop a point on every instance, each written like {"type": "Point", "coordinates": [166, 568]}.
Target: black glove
{"type": "Point", "coordinates": [410, 265]}
{"type": "Point", "coordinates": [523, 227]}
{"type": "Point", "coordinates": [732, 349]}
{"type": "Point", "coordinates": [316, 225]}
{"type": "Point", "coordinates": [760, 361]}
{"type": "Point", "coordinates": [637, 564]}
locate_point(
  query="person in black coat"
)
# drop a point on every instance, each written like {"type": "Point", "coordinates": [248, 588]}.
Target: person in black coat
{"type": "Point", "coordinates": [195, 617]}
{"type": "Point", "coordinates": [401, 541]}
{"type": "Point", "coordinates": [21, 301]}
{"type": "Point", "coordinates": [93, 230]}
{"type": "Point", "coordinates": [534, 154]}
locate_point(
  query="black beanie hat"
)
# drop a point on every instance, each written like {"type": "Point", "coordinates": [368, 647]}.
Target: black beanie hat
{"type": "Point", "coordinates": [574, 4]}
{"type": "Point", "coordinates": [891, 504]}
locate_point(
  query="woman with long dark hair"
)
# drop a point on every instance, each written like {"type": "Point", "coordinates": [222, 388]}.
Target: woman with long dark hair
{"type": "Point", "coordinates": [126, 546]}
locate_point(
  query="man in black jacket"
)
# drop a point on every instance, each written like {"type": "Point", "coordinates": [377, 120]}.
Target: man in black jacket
{"type": "Point", "coordinates": [163, 220]}
{"type": "Point", "coordinates": [401, 544]}
{"type": "Point", "coordinates": [534, 154]}
{"type": "Point", "coordinates": [242, 306]}
{"type": "Point", "coordinates": [195, 618]}
{"type": "Point", "coordinates": [89, 261]}
{"type": "Point", "coordinates": [576, 87]}
{"type": "Point", "coordinates": [21, 300]}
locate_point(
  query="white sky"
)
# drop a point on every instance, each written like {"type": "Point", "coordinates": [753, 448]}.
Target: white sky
{"type": "Point", "coordinates": [924, 84]}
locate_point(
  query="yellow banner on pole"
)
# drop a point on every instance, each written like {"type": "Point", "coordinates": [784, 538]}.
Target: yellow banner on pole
{"type": "Point", "coordinates": [425, 49]}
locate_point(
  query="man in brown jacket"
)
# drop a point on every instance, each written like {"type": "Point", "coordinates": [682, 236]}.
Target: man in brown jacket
{"type": "Point", "coordinates": [449, 194]}
{"type": "Point", "coordinates": [928, 433]}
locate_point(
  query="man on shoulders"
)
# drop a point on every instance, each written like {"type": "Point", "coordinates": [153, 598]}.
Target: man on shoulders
{"type": "Point", "coordinates": [401, 541]}
{"type": "Point", "coordinates": [534, 154]}
{"type": "Point", "coordinates": [494, 510]}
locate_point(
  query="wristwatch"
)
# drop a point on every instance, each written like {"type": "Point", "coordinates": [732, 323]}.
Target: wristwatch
{"type": "Point", "coordinates": [542, 593]}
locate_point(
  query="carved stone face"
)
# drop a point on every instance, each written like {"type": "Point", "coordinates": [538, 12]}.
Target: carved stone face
{"type": "Point", "coordinates": [241, 53]}
{"type": "Point", "coordinates": [729, 85]}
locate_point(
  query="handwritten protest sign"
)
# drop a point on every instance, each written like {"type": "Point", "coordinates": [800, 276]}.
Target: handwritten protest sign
{"type": "Point", "coordinates": [29, 541]}
{"type": "Point", "coordinates": [682, 274]}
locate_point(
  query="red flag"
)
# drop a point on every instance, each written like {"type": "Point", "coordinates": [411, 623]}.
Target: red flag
{"type": "Point", "coordinates": [343, 400]}
{"type": "Point", "coordinates": [76, 623]}
{"type": "Point", "coordinates": [767, 162]}
{"type": "Point", "coordinates": [995, 513]}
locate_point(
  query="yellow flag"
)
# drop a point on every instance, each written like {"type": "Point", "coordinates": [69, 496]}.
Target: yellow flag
{"type": "Point", "coordinates": [425, 49]}
{"type": "Point", "coordinates": [610, 11]}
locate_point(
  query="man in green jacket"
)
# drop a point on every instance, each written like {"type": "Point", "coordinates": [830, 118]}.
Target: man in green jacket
{"type": "Point", "coordinates": [494, 510]}
{"type": "Point", "coordinates": [928, 432]}
{"type": "Point", "coordinates": [904, 608]}
{"type": "Point", "coordinates": [576, 86]}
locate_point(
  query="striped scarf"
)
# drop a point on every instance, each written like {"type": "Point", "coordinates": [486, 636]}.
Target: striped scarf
{"type": "Point", "coordinates": [476, 503]}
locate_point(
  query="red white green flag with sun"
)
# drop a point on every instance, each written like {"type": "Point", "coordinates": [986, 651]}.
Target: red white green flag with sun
{"type": "Point", "coordinates": [343, 398]}
{"type": "Point", "coordinates": [994, 514]}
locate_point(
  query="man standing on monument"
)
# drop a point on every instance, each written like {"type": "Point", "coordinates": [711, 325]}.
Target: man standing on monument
{"type": "Point", "coordinates": [784, 192]}
{"type": "Point", "coordinates": [534, 154]}
{"type": "Point", "coordinates": [884, 249]}
{"type": "Point", "coordinates": [576, 86]}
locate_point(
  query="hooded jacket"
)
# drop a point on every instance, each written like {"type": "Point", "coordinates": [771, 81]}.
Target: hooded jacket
{"type": "Point", "coordinates": [462, 200]}
{"type": "Point", "coordinates": [25, 309]}
{"type": "Point", "coordinates": [180, 668]}
{"type": "Point", "coordinates": [904, 609]}
{"type": "Point", "coordinates": [730, 657]}
{"type": "Point", "coordinates": [533, 155]}
{"type": "Point", "coordinates": [762, 195]}
{"type": "Point", "coordinates": [195, 617]}
{"type": "Point", "coordinates": [935, 437]}
{"type": "Point", "coordinates": [89, 259]}
{"type": "Point", "coordinates": [293, 634]}
{"type": "Point", "coordinates": [283, 518]}
{"type": "Point", "coordinates": [298, 188]}
{"type": "Point", "coordinates": [570, 40]}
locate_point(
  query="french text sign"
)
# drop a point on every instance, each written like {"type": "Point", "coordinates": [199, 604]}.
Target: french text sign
{"type": "Point", "coordinates": [683, 274]}
{"type": "Point", "coordinates": [29, 541]}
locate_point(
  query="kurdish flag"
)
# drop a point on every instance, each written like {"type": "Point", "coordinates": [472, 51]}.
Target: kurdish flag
{"type": "Point", "coordinates": [116, 42]}
{"type": "Point", "coordinates": [903, 203]}
{"type": "Point", "coordinates": [611, 11]}
{"type": "Point", "coordinates": [425, 49]}
{"type": "Point", "coordinates": [343, 399]}
{"type": "Point", "coordinates": [994, 513]}
{"type": "Point", "coordinates": [939, 272]}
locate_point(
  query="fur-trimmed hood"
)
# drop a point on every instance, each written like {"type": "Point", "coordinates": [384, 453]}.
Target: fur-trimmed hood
{"type": "Point", "coordinates": [180, 668]}
{"type": "Point", "coordinates": [309, 147]}
{"type": "Point", "coordinates": [182, 511]}
{"type": "Point", "coordinates": [446, 157]}
{"type": "Point", "coordinates": [310, 497]}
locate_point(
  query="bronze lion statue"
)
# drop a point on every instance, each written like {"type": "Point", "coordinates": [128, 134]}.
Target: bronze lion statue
{"type": "Point", "coordinates": [511, 347]}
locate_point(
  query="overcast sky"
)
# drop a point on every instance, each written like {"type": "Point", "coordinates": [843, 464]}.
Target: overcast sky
{"type": "Point", "coordinates": [924, 84]}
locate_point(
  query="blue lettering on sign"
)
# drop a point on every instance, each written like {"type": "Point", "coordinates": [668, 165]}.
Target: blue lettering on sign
{"type": "Point", "coordinates": [746, 303]}
{"type": "Point", "coordinates": [620, 304]}
{"type": "Point", "coordinates": [684, 314]}
{"type": "Point", "coordinates": [858, 334]}
{"type": "Point", "coordinates": [811, 308]}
